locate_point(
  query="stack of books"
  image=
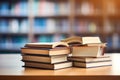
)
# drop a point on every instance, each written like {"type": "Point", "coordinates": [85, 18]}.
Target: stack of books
{"type": "Point", "coordinates": [87, 52]}
{"type": "Point", "coordinates": [46, 55]}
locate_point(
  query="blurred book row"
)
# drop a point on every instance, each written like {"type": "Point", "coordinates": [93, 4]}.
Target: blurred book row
{"type": "Point", "coordinates": [49, 7]}
{"type": "Point", "coordinates": [12, 43]}
{"type": "Point", "coordinates": [14, 26]}
{"type": "Point", "coordinates": [14, 8]}
{"type": "Point", "coordinates": [86, 26]}
{"type": "Point", "coordinates": [44, 25]}
{"type": "Point", "coordinates": [48, 25]}
{"type": "Point", "coordinates": [91, 7]}
{"type": "Point", "coordinates": [41, 25]}
{"type": "Point", "coordinates": [39, 7]}
{"type": "Point", "coordinates": [16, 42]}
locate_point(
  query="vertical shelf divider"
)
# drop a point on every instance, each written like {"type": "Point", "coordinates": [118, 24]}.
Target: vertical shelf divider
{"type": "Point", "coordinates": [31, 22]}
{"type": "Point", "coordinates": [72, 17]}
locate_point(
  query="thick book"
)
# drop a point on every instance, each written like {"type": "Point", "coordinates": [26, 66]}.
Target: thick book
{"type": "Point", "coordinates": [48, 66]}
{"type": "Point", "coordinates": [43, 51]}
{"type": "Point", "coordinates": [82, 40]}
{"type": "Point", "coordinates": [55, 48]}
{"type": "Point", "coordinates": [47, 45]}
{"type": "Point", "coordinates": [87, 51]}
{"type": "Point", "coordinates": [45, 59]}
{"type": "Point", "coordinates": [92, 64]}
{"type": "Point", "coordinates": [89, 59]}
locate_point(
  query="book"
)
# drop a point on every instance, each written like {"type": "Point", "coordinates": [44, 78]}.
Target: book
{"type": "Point", "coordinates": [115, 41]}
{"type": "Point", "coordinates": [41, 51]}
{"type": "Point", "coordinates": [51, 24]}
{"type": "Point", "coordinates": [14, 26]}
{"type": "Point", "coordinates": [92, 64]}
{"type": "Point", "coordinates": [87, 51]}
{"type": "Point", "coordinates": [4, 25]}
{"type": "Point", "coordinates": [110, 42]}
{"type": "Point", "coordinates": [89, 59]}
{"type": "Point", "coordinates": [48, 66]}
{"type": "Point", "coordinates": [4, 8]}
{"type": "Point", "coordinates": [82, 40]}
{"type": "Point", "coordinates": [47, 45]}
{"type": "Point", "coordinates": [35, 6]}
{"type": "Point", "coordinates": [45, 59]}
{"type": "Point", "coordinates": [55, 48]}
{"type": "Point", "coordinates": [23, 28]}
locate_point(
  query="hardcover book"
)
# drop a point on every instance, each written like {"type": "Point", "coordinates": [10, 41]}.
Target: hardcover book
{"type": "Point", "coordinates": [56, 48]}
{"type": "Point", "coordinates": [89, 59]}
{"type": "Point", "coordinates": [45, 59]}
{"type": "Point", "coordinates": [48, 66]}
{"type": "Point", "coordinates": [92, 64]}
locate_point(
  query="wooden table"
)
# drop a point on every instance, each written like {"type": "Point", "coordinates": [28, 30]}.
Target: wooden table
{"type": "Point", "coordinates": [11, 68]}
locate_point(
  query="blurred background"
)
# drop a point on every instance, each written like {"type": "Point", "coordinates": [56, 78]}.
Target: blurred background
{"type": "Point", "coordinates": [23, 21]}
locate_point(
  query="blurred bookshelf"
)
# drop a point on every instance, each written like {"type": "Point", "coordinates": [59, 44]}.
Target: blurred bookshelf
{"type": "Point", "coordinates": [23, 21]}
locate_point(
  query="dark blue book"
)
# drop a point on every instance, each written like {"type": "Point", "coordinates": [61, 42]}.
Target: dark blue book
{"type": "Point", "coordinates": [4, 8]}
{"type": "Point", "coordinates": [19, 41]}
{"type": "Point", "coordinates": [4, 25]}
{"type": "Point", "coordinates": [2, 42]}
{"type": "Point", "coordinates": [40, 25]}
{"type": "Point", "coordinates": [109, 42]}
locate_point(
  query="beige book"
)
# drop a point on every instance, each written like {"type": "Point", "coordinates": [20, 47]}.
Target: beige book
{"type": "Point", "coordinates": [47, 45]}
{"type": "Point", "coordinates": [50, 52]}
{"type": "Point", "coordinates": [81, 40]}
{"type": "Point", "coordinates": [89, 59]}
{"type": "Point", "coordinates": [93, 64]}
{"type": "Point", "coordinates": [87, 51]}
{"type": "Point", "coordinates": [48, 66]}
{"type": "Point", "coordinates": [45, 59]}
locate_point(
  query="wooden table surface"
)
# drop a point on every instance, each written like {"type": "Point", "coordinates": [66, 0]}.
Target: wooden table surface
{"type": "Point", "coordinates": [11, 65]}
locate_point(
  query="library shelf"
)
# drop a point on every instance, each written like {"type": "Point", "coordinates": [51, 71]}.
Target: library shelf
{"type": "Point", "coordinates": [88, 34]}
{"type": "Point", "coordinates": [13, 16]}
{"type": "Point", "coordinates": [51, 16]}
{"type": "Point", "coordinates": [14, 34]}
{"type": "Point", "coordinates": [10, 50]}
{"type": "Point", "coordinates": [94, 12]}
{"type": "Point", "coordinates": [47, 33]}
{"type": "Point", "coordinates": [93, 16]}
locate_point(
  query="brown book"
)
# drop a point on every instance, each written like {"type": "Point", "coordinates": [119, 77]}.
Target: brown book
{"type": "Point", "coordinates": [45, 59]}
{"type": "Point", "coordinates": [81, 40]}
{"type": "Point", "coordinates": [55, 48]}
{"type": "Point", "coordinates": [47, 45]}
{"type": "Point", "coordinates": [89, 59]}
{"type": "Point", "coordinates": [92, 64]}
{"type": "Point", "coordinates": [48, 66]}
{"type": "Point", "coordinates": [87, 51]}
{"type": "Point", "coordinates": [49, 52]}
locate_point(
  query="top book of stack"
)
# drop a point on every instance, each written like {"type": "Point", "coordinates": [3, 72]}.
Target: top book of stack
{"type": "Point", "coordinates": [47, 45]}
{"type": "Point", "coordinates": [85, 46]}
{"type": "Point", "coordinates": [89, 41]}
{"type": "Point", "coordinates": [50, 49]}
